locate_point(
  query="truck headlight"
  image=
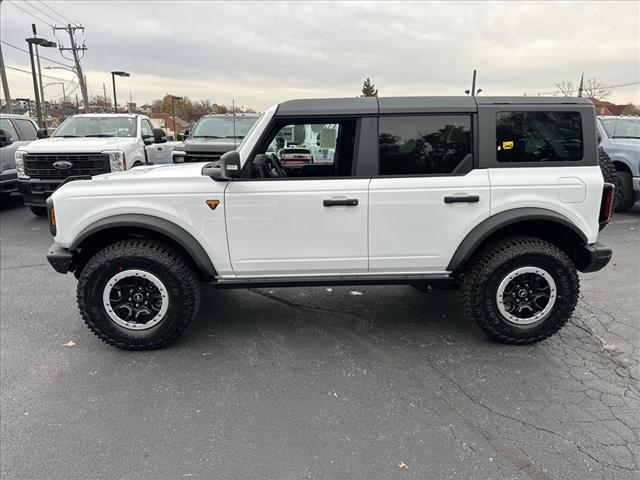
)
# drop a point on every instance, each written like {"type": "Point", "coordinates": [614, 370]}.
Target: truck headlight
{"type": "Point", "coordinates": [178, 156]}
{"type": "Point", "coordinates": [116, 160]}
{"type": "Point", "coordinates": [20, 165]}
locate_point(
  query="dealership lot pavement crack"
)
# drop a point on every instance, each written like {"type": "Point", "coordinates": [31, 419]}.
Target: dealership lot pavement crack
{"type": "Point", "coordinates": [317, 383]}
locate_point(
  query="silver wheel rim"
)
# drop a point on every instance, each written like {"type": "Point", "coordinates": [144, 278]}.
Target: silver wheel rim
{"type": "Point", "coordinates": [526, 295]}
{"type": "Point", "coordinates": [135, 299]}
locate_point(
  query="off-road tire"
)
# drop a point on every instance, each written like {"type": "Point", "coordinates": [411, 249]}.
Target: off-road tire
{"type": "Point", "coordinates": [155, 257]}
{"type": "Point", "coordinates": [493, 263]}
{"type": "Point", "coordinates": [38, 211]}
{"type": "Point", "coordinates": [609, 174]}
{"type": "Point", "coordinates": [626, 191]}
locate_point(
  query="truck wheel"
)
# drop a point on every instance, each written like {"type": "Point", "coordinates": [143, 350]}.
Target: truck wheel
{"type": "Point", "coordinates": [626, 192]}
{"type": "Point", "coordinates": [138, 294]}
{"type": "Point", "coordinates": [39, 211]}
{"type": "Point", "coordinates": [609, 174]}
{"type": "Point", "coordinates": [520, 290]}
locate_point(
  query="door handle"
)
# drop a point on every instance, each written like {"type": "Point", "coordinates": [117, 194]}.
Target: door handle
{"type": "Point", "coordinates": [462, 199]}
{"type": "Point", "coordinates": [347, 202]}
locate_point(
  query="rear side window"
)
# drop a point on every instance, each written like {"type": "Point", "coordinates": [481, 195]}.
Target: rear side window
{"type": "Point", "coordinates": [423, 145]}
{"type": "Point", "coordinates": [26, 128]}
{"type": "Point", "coordinates": [539, 137]}
{"type": "Point", "coordinates": [9, 131]}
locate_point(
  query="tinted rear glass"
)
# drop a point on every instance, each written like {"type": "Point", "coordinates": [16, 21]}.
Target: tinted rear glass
{"type": "Point", "coordinates": [27, 129]}
{"type": "Point", "coordinates": [423, 145]}
{"type": "Point", "coordinates": [539, 136]}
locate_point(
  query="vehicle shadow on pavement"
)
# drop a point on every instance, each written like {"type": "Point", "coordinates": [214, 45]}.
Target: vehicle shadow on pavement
{"type": "Point", "coordinates": [10, 202]}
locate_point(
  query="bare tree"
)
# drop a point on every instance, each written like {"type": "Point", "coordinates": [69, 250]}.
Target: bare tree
{"type": "Point", "coordinates": [594, 88]}
{"type": "Point", "coordinates": [566, 88]}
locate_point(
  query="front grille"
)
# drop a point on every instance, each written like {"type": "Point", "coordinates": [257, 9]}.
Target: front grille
{"type": "Point", "coordinates": [203, 157]}
{"type": "Point", "coordinates": [40, 165]}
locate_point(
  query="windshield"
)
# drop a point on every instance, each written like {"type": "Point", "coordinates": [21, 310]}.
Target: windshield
{"type": "Point", "coordinates": [622, 127]}
{"type": "Point", "coordinates": [223, 127]}
{"type": "Point", "coordinates": [97, 127]}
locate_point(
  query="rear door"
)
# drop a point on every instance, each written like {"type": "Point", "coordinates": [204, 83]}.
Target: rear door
{"type": "Point", "coordinates": [427, 194]}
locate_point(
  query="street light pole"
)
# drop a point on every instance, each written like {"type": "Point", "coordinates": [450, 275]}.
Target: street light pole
{"type": "Point", "coordinates": [35, 84]}
{"type": "Point", "coordinates": [42, 43]}
{"type": "Point", "coordinates": [113, 79]}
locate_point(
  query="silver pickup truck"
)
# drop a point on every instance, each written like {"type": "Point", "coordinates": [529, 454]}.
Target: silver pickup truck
{"type": "Point", "coordinates": [15, 131]}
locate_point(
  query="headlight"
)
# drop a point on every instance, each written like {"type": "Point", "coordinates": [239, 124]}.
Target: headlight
{"type": "Point", "coordinates": [116, 160]}
{"type": "Point", "coordinates": [178, 157]}
{"type": "Point", "coordinates": [20, 165]}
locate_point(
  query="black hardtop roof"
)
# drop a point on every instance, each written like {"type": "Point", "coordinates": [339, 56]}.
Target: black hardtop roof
{"type": "Point", "coordinates": [375, 105]}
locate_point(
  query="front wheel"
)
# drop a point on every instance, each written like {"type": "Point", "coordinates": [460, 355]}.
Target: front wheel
{"type": "Point", "coordinates": [520, 290]}
{"type": "Point", "coordinates": [138, 294]}
{"type": "Point", "coordinates": [626, 191]}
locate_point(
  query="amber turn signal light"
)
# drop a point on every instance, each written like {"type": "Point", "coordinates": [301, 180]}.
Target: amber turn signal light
{"type": "Point", "coordinates": [213, 204]}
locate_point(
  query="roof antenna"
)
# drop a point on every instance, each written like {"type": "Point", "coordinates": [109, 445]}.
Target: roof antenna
{"type": "Point", "coordinates": [233, 112]}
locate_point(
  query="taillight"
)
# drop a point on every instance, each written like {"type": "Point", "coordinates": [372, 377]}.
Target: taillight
{"type": "Point", "coordinates": [606, 205]}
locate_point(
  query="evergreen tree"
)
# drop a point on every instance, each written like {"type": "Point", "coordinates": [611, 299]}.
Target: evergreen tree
{"type": "Point", "coordinates": [369, 89]}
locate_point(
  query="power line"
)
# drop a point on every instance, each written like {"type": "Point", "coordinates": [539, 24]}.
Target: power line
{"type": "Point", "coordinates": [29, 13]}
{"type": "Point", "coordinates": [27, 51]}
{"type": "Point", "coordinates": [47, 76]}
{"type": "Point", "coordinates": [57, 13]}
{"type": "Point", "coordinates": [55, 20]}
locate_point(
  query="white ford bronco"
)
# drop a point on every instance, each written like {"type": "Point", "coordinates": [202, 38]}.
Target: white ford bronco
{"type": "Point", "coordinates": [86, 144]}
{"type": "Point", "coordinates": [501, 197]}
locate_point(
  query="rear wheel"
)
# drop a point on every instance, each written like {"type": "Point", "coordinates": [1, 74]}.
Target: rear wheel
{"type": "Point", "coordinates": [39, 211]}
{"type": "Point", "coordinates": [138, 294]}
{"type": "Point", "coordinates": [520, 290]}
{"type": "Point", "coordinates": [626, 192]}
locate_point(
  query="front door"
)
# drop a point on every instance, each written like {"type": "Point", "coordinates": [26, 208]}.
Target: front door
{"type": "Point", "coordinates": [301, 218]}
{"type": "Point", "coordinates": [427, 195]}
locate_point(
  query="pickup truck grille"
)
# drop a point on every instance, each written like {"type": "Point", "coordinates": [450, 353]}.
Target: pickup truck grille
{"type": "Point", "coordinates": [40, 165]}
{"type": "Point", "coordinates": [203, 157]}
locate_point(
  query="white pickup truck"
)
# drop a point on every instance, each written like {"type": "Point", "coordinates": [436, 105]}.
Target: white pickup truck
{"type": "Point", "coordinates": [87, 145]}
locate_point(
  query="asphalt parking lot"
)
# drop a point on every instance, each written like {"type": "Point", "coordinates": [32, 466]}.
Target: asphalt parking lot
{"type": "Point", "coordinates": [341, 383]}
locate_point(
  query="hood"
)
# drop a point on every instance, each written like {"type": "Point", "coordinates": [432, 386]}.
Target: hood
{"type": "Point", "coordinates": [221, 145]}
{"type": "Point", "coordinates": [179, 170]}
{"type": "Point", "coordinates": [627, 142]}
{"type": "Point", "coordinates": [81, 144]}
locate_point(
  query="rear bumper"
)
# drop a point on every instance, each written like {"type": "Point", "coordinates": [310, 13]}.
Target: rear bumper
{"type": "Point", "coordinates": [35, 192]}
{"type": "Point", "coordinates": [60, 258]}
{"type": "Point", "coordinates": [594, 257]}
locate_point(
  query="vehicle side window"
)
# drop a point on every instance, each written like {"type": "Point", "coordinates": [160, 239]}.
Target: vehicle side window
{"type": "Point", "coordinates": [539, 136]}
{"type": "Point", "coordinates": [424, 145]}
{"type": "Point", "coordinates": [6, 125]}
{"type": "Point", "coordinates": [145, 129]}
{"type": "Point", "coordinates": [26, 128]}
{"type": "Point", "coordinates": [307, 149]}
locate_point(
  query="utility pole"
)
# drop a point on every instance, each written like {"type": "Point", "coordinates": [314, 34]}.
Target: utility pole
{"type": "Point", "coordinates": [77, 104]}
{"type": "Point", "coordinates": [104, 91]}
{"type": "Point", "coordinates": [44, 104]}
{"type": "Point", "coordinates": [5, 84]}
{"type": "Point", "coordinates": [74, 50]}
{"type": "Point", "coordinates": [36, 91]}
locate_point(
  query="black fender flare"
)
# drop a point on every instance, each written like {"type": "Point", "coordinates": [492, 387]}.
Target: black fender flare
{"type": "Point", "coordinates": [500, 220]}
{"type": "Point", "coordinates": [156, 224]}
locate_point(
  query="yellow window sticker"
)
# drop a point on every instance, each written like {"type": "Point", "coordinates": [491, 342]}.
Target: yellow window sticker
{"type": "Point", "coordinates": [507, 145]}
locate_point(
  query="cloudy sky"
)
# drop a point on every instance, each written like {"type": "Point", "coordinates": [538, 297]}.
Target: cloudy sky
{"type": "Point", "coordinates": [259, 53]}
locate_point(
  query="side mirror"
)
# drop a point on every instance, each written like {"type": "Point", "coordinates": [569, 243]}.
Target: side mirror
{"type": "Point", "coordinates": [5, 139]}
{"type": "Point", "coordinates": [148, 139]}
{"type": "Point", "coordinates": [159, 136]}
{"type": "Point", "coordinates": [185, 134]}
{"type": "Point", "coordinates": [42, 133]}
{"type": "Point", "coordinates": [228, 167]}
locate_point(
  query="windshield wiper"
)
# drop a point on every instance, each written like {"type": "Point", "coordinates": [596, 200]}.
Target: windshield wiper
{"type": "Point", "coordinates": [234, 136]}
{"type": "Point", "coordinates": [66, 136]}
{"type": "Point", "coordinates": [206, 136]}
{"type": "Point", "coordinates": [100, 135]}
{"type": "Point", "coordinates": [624, 136]}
